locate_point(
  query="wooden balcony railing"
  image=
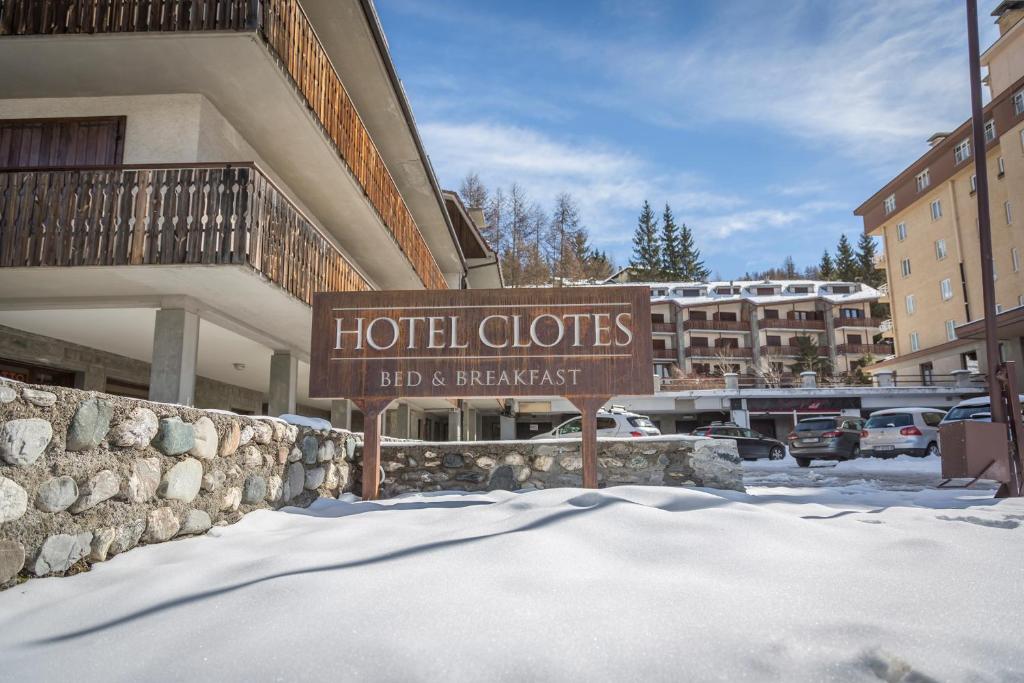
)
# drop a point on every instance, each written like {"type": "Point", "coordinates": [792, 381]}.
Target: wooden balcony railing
{"type": "Point", "coordinates": [284, 27]}
{"type": "Point", "coordinates": [664, 354]}
{"type": "Point", "coordinates": [789, 351]}
{"type": "Point", "coordinates": [133, 215]}
{"type": "Point", "coordinates": [858, 322]}
{"type": "Point", "coordinates": [880, 350]}
{"type": "Point", "coordinates": [719, 352]}
{"type": "Point", "coordinates": [790, 324]}
{"type": "Point", "coordinates": [663, 328]}
{"type": "Point", "coordinates": [721, 325]}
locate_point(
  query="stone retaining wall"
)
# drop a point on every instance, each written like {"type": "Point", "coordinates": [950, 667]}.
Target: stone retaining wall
{"type": "Point", "coordinates": [85, 475]}
{"type": "Point", "coordinates": [511, 465]}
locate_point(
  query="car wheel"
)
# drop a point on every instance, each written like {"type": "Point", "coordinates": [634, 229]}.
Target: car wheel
{"type": "Point", "coordinates": [803, 462]}
{"type": "Point", "coordinates": [777, 453]}
{"type": "Point", "coordinates": [855, 453]}
{"type": "Point", "coordinates": [933, 449]}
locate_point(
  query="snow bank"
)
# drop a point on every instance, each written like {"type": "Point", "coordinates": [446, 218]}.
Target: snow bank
{"type": "Point", "coordinates": [635, 583]}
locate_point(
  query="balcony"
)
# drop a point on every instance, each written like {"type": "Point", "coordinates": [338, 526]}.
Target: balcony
{"type": "Point", "coordinates": [663, 328]}
{"type": "Point", "coordinates": [664, 354]}
{"type": "Point", "coordinates": [881, 350]}
{"type": "Point", "coordinates": [167, 215]}
{"type": "Point", "coordinates": [790, 324]}
{"type": "Point", "coordinates": [858, 322]}
{"type": "Point", "coordinates": [693, 325]}
{"type": "Point", "coordinates": [719, 352]}
{"type": "Point", "coordinates": [261, 63]}
{"type": "Point", "coordinates": [789, 351]}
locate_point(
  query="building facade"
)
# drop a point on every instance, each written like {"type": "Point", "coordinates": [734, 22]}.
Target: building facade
{"type": "Point", "coordinates": [761, 330]}
{"type": "Point", "coordinates": [927, 218]}
{"type": "Point", "coordinates": [177, 179]}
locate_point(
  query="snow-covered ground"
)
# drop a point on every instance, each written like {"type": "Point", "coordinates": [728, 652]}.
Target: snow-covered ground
{"type": "Point", "coordinates": [821, 574]}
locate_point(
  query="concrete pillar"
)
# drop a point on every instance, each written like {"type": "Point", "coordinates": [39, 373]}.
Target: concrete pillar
{"type": "Point", "coordinates": [469, 420]}
{"type": "Point", "coordinates": [341, 414]}
{"type": "Point", "coordinates": [755, 342]}
{"type": "Point", "coordinates": [455, 425]}
{"type": "Point", "coordinates": [508, 427]}
{"type": "Point", "coordinates": [885, 378]}
{"type": "Point", "coordinates": [284, 376]}
{"type": "Point", "coordinates": [94, 378]}
{"type": "Point", "coordinates": [740, 417]}
{"type": "Point", "coordinates": [808, 379]}
{"type": "Point", "coordinates": [677, 313]}
{"type": "Point", "coordinates": [732, 381]}
{"type": "Point", "coordinates": [961, 378]}
{"type": "Point", "coordinates": [172, 375]}
{"type": "Point", "coordinates": [830, 339]}
{"type": "Point", "coordinates": [403, 421]}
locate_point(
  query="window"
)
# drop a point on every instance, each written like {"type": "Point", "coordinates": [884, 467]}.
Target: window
{"type": "Point", "coordinates": [923, 180]}
{"type": "Point", "coordinates": [901, 231]}
{"type": "Point", "coordinates": [962, 152]}
{"type": "Point", "coordinates": [890, 203]}
{"type": "Point", "coordinates": [936, 210]}
{"type": "Point", "coordinates": [951, 330]}
{"type": "Point", "coordinates": [905, 267]}
{"type": "Point", "coordinates": [974, 178]}
{"type": "Point", "coordinates": [1002, 167]}
{"type": "Point", "coordinates": [1009, 212]}
{"type": "Point", "coordinates": [946, 287]}
{"type": "Point", "coordinates": [1018, 102]}
{"type": "Point", "coordinates": [1015, 258]}
{"type": "Point", "coordinates": [911, 304]}
{"type": "Point", "coordinates": [915, 342]}
{"type": "Point", "coordinates": [990, 130]}
{"type": "Point", "coordinates": [940, 249]}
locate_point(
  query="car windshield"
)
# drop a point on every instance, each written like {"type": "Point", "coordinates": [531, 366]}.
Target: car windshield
{"type": "Point", "coordinates": [890, 420]}
{"type": "Point", "coordinates": [967, 412]}
{"type": "Point", "coordinates": [640, 422]}
{"type": "Point", "coordinates": [822, 425]}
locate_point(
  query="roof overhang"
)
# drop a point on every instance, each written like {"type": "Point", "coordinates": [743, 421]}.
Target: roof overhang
{"type": "Point", "coordinates": [1009, 325]}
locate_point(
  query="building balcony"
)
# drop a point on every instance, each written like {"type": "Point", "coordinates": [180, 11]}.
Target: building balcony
{"type": "Point", "coordinates": [716, 325]}
{"type": "Point", "coordinates": [881, 350]}
{"type": "Point", "coordinates": [663, 328]}
{"type": "Point", "coordinates": [858, 322]}
{"type": "Point", "coordinates": [262, 64]}
{"type": "Point", "coordinates": [789, 351]}
{"type": "Point", "coordinates": [790, 324]}
{"type": "Point", "coordinates": [664, 354]}
{"type": "Point", "coordinates": [719, 352]}
{"type": "Point", "coordinates": [167, 216]}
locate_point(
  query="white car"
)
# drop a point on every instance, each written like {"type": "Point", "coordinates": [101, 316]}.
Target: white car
{"type": "Point", "coordinates": [972, 409]}
{"type": "Point", "coordinates": [896, 431]}
{"type": "Point", "coordinates": [615, 422]}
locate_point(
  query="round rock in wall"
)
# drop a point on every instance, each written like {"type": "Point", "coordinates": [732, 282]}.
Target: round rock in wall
{"type": "Point", "coordinates": [12, 559]}
{"type": "Point", "coordinates": [205, 439]}
{"type": "Point", "coordinates": [57, 494]}
{"type": "Point", "coordinates": [137, 430]}
{"type": "Point", "coordinates": [23, 441]}
{"type": "Point", "coordinates": [13, 500]}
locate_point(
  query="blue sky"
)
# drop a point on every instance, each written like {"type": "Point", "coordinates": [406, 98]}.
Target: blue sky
{"type": "Point", "coordinates": [763, 123]}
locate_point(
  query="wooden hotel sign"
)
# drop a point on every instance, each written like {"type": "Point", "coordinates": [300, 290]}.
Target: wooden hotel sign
{"type": "Point", "coordinates": [583, 343]}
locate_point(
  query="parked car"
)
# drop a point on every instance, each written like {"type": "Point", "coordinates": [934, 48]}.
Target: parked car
{"type": "Point", "coordinates": [979, 408]}
{"type": "Point", "coordinates": [896, 431]}
{"type": "Point", "coordinates": [615, 422]}
{"type": "Point", "coordinates": [825, 438]}
{"type": "Point", "coordinates": [750, 444]}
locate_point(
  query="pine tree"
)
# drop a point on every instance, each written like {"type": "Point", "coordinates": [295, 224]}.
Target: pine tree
{"type": "Point", "coordinates": [646, 261]}
{"type": "Point", "coordinates": [789, 268]}
{"type": "Point", "coordinates": [694, 269]}
{"type": "Point", "coordinates": [869, 275]}
{"type": "Point", "coordinates": [473, 192]}
{"type": "Point", "coordinates": [672, 260]}
{"type": "Point", "coordinates": [826, 269]}
{"type": "Point", "coordinates": [847, 267]}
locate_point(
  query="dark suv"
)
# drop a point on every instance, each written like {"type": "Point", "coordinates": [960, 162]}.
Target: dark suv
{"type": "Point", "coordinates": [825, 438]}
{"type": "Point", "coordinates": [749, 443]}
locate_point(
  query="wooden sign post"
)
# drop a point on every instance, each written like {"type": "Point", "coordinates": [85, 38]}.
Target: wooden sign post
{"type": "Point", "coordinates": [584, 343]}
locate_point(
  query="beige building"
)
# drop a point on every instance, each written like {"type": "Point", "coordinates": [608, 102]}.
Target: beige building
{"type": "Point", "coordinates": [705, 329]}
{"type": "Point", "coordinates": [928, 220]}
{"type": "Point", "coordinates": [177, 179]}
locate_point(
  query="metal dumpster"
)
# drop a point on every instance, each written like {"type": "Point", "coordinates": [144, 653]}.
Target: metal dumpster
{"type": "Point", "coordinates": [975, 450]}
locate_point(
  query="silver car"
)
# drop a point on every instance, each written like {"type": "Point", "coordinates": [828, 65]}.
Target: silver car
{"type": "Point", "coordinates": [615, 422]}
{"type": "Point", "coordinates": [898, 431]}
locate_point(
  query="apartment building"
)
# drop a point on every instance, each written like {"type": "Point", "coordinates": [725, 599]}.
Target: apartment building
{"type": "Point", "coordinates": [177, 179]}
{"type": "Point", "coordinates": [759, 329]}
{"type": "Point", "coordinates": [927, 218]}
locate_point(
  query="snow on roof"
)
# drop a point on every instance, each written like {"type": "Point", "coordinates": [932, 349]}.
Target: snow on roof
{"type": "Point", "coordinates": [784, 291]}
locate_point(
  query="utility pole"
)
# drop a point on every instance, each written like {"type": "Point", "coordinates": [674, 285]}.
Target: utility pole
{"type": "Point", "coordinates": [984, 222]}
